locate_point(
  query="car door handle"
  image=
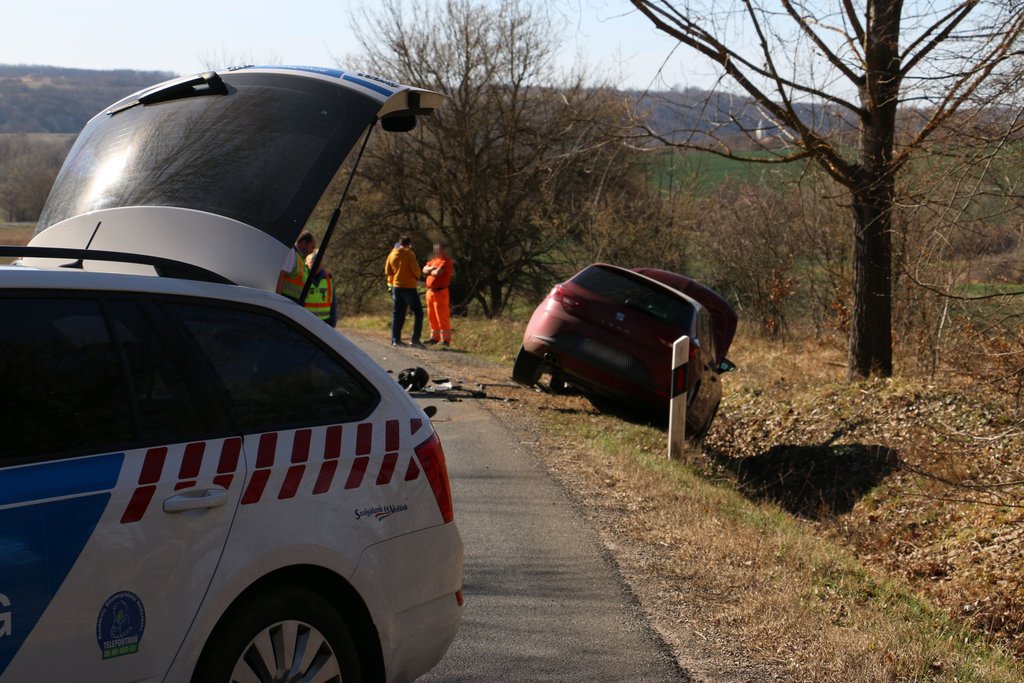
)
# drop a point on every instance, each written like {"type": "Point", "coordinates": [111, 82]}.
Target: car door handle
{"type": "Point", "coordinates": [196, 500]}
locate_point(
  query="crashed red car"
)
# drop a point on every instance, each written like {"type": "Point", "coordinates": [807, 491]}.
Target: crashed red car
{"type": "Point", "coordinates": [608, 332]}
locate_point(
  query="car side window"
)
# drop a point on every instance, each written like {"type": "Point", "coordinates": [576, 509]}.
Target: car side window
{"type": "Point", "coordinates": [274, 375]}
{"type": "Point", "coordinates": [167, 408]}
{"type": "Point", "coordinates": [64, 388]}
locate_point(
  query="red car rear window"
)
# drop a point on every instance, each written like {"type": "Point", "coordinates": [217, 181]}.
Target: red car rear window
{"type": "Point", "coordinates": [637, 294]}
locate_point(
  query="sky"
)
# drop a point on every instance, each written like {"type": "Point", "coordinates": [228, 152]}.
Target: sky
{"type": "Point", "coordinates": [187, 36]}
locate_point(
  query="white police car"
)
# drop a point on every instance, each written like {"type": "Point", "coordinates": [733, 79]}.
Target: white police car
{"type": "Point", "coordinates": [199, 480]}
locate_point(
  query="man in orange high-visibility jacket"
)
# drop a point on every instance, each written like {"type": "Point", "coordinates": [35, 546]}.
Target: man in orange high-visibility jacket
{"type": "Point", "coordinates": [403, 273]}
{"type": "Point", "coordinates": [439, 272]}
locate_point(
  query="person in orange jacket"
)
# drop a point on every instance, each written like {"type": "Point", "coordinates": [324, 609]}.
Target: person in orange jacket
{"type": "Point", "coordinates": [403, 274]}
{"type": "Point", "coordinates": [439, 272]}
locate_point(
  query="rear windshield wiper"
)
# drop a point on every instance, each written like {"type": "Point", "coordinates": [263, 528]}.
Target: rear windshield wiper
{"type": "Point", "coordinates": [208, 83]}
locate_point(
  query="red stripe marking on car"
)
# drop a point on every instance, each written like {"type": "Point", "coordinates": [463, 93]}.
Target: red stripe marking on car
{"type": "Point", "coordinates": [138, 504]}
{"type": "Point", "coordinates": [184, 485]}
{"type": "Point", "coordinates": [326, 477]}
{"type": "Point", "coordinates": [387, 468]}
{"type": "Point", "coordinates": [415, 424]}
{"type": "Point", "coordinates": [332, 445]}
{"type": "Point", "coordinates": [291, 482]}
{"type": "Point", "coordinates": [229, 456]}
{"type": "Point", "coordinates": [267, 450]}
{"type": "Point", "coordinates": [192, 460]}
{"type": "Point", "coordinates": [153, 466]}
{"type": "Point", "coordinates": [257, 483]}
{"type": "Point", "coordinates": [391, 435]}
{"type": "Point", "coordinates": [223, 480]}
{"type": "Point", "coordinates": [413, 471]}
{"type": "Point", "coordinates": [355, 477]}
{"type": "Point", "coordinates": [300, 445]}
{"type": "Point", "coordinates": [364, 438]}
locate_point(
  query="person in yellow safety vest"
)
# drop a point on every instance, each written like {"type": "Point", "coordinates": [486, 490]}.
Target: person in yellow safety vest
{"type": "Point", "coordinates": [320, 297]}
{"type": "Point", "coordinates": [293, 276]}
{"type": "Point", "coordinates": [294, 271]}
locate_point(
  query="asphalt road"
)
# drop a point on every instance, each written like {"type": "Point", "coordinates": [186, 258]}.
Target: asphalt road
{"type": "Point", "coordinates": [543, 600]}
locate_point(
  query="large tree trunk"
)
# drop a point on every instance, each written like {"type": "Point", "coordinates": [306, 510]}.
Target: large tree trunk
{"type": "Point", "coordinates": [870, 350]}
{"type": "Point", "coordinates": [873, 191]}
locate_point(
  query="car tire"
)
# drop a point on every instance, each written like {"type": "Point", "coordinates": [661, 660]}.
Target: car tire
{"type": "Point", "coordinates": [526, 370]}
{"type": "Point", "coordinates": [699, 436]}
{"type": "Point", "coordinates": [253, 643]}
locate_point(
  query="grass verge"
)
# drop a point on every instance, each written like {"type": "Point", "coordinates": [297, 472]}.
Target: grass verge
{"type": "Point", "coordinates": [801, 603]}
{"type": "Point", "coordinates": [497, 340]}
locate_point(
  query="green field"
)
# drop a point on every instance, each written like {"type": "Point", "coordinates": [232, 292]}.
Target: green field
{"type": "Point", "coordinates": [675, 170]}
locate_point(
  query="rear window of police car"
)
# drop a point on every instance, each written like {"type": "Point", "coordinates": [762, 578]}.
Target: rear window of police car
{"type": "Point", "coordinates": [90, 374]}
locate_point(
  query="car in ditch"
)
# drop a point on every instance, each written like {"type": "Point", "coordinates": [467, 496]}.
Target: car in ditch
{"type": "Point", "coordinates": [608, 331]}
{"type": "Point", "coordinates": [199, 480]}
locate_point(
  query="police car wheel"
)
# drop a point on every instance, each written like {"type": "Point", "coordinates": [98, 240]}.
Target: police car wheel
{"type": "Point", "coordinates": [289, 635]}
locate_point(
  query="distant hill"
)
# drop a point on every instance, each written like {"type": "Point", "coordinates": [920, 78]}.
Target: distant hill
{"type": "Point", "coordinates": [705, 117]}
{"type": "Point", "coordinates": [49, 99]}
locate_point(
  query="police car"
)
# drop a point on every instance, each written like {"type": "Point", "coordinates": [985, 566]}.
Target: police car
{"type": "Point", "coordinates": [199, 480]}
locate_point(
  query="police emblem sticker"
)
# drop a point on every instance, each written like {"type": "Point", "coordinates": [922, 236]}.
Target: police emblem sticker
{"type": "Point", "coordinates": [120, 625]}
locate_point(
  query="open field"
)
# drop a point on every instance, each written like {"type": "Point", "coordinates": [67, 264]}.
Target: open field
{"type": "Point", "coordinates": [17, 234]}
{"type": "Point", "coordinates": [703, 171]}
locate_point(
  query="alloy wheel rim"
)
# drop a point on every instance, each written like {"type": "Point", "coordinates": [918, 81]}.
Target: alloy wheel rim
{"type": "Point", "coordinates": [288, 652]}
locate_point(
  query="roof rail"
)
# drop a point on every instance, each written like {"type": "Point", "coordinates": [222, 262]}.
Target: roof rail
{"type": "Point", "coordinates": [164, 267]}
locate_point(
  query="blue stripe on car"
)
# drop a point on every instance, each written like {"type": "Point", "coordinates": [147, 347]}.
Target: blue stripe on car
{"type": "Point", "coordinates": [59, 479]}
{"type": "Point", "coordinates": [369, 84]}
{"type": "Point", "coordinates": [335, 73]}
{"type": "Point", "coordinates": [39, 544]}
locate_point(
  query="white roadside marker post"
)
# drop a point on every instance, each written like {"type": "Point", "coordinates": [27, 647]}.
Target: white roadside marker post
{"type": "Point", "coordinates": [677, 398]}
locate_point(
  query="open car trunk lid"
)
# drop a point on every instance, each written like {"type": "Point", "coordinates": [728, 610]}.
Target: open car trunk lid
{"type": "Point", "coordinates": [220, 170]}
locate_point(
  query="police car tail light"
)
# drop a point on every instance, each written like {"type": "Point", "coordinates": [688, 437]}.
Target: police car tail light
{"type": "Point", "coordinates": [431, 457]}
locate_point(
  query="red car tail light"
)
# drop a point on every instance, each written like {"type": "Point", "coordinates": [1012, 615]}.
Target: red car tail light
{"type": "Point", "coordinates": [559, 294]}
{"type": "Point", "coordinates": [431, 457]}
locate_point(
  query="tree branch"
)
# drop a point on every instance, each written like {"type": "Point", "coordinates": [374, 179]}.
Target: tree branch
{"type": "Point", "coordinates": [955, 17]}
{"type": "Point", "coordinates": [703, 42]}
{"type": "Point", "coordinates": [832, 57]}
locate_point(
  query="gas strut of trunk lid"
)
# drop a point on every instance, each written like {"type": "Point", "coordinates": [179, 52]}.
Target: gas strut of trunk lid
{"type": "Point", "coordinates": [334, 221]}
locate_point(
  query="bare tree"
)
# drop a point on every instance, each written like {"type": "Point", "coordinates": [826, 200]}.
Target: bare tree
{"type": "Point", "coordinates": [28, 167]}
{"type": "Point", "coordinates": [513, 168]}
{"type": "Point", "coordinates": [814, 69]}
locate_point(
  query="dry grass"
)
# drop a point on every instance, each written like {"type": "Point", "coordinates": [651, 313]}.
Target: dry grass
{"type": "Point", "coordinates": [17, 234]}
{"type": "Point", "coordinates": [496, 340]}
{"type": "Point", "coordinates": [946, 513]}
{"type": "Point", "coordinates": [703, 559]}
